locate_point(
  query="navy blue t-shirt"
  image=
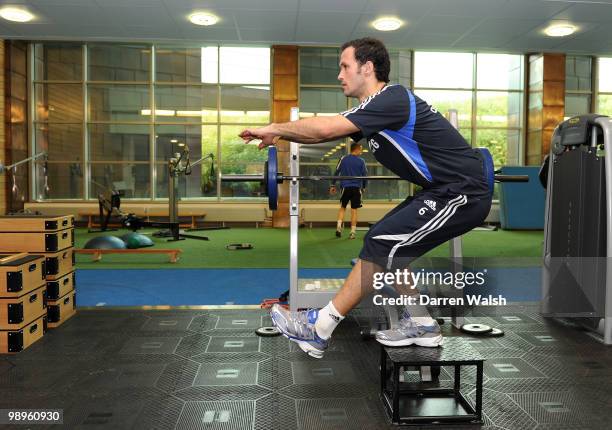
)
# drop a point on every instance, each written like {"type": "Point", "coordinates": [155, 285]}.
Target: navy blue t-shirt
{"type": "Point", "coordinates": [351, 165]}
{"type": "Point", "coordinates": [414, 141]}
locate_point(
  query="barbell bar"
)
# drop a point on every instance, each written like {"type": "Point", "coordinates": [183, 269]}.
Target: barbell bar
{"type": "Point", "coordinates": [271, 178]}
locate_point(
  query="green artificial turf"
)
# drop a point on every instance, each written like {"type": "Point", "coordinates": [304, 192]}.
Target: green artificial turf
{"type": "Point", "coordinates": [318, 248]}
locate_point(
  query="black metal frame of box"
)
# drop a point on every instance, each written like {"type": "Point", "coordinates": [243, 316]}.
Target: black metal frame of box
{"type": "Point", "coordinates": [456, 353]}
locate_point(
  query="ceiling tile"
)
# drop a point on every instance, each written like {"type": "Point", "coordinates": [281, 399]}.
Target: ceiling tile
{"type": "Point", "coordinates": [140, 16]}
{"type": "Point", "coordinates": [594, 12]}
{"type": "Point", "coordinates": [325, 19]}
{"type": "Point", "coordinates": [194, 33]}
{"type": "Point", "coordinates": [407, 9]}
{"type": "Point", "coordinates": [466, 7]}
{"type": "Point", "coordinates": [268, 34]}
{"type": "Point", "coordinates": [530, 9]}
{"type": "Point", "coordinates": [446, 24]}
{"type": "Point", "coordinates": [322, 6]}
{"type": "Point", "coordinates": [277, 5]}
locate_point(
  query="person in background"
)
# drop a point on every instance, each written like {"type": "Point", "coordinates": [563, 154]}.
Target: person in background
{"type": "Point", "coordinates": [350, 165]}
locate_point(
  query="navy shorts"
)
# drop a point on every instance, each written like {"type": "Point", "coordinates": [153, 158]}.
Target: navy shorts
{"type": "Point", "coordinates": [420, 223]}
{"type": "Point", "coordinates": [353, 195]}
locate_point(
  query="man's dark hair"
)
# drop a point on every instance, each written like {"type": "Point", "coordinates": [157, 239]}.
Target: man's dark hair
{"type": "Point", "coordinates": [370, 49]}
{"type": "Point", "coordinates": [355, 145]}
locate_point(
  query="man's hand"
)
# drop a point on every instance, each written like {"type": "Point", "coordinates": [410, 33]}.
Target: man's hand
{"type": "Point", "coordinates": [332, 190]}
{"type": "Point", "coordinates": [263, 133]}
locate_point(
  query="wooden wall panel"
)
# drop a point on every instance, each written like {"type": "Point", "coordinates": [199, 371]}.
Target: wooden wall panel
{"type": "Point", "coordinates": [547, 104]}
{"type": "Point", "coordinates": [284, 97]}
{"type": "Point", "coordinates": [3, 146]}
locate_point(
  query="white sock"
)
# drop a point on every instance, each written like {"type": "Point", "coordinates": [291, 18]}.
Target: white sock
{"type": "Point", "coordinates": [327, 321]}
{"type": "Point", "coordinates": [339, 225]}
{"type": "Point", "coordinates": [419, 314]}
{"type": "Point", "coordinates": [353, 229]}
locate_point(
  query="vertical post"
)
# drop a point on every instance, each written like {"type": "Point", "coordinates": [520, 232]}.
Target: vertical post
{"type": "Point", "coordinates": [294, 197]}
{"type": "Point", "coordinates": [457, 379]}
{"type": "Point", "coordinates": [396, 393]}
{"type": "Point", "coordinates": [479, 370]}
{"type": "Point", "coordinates": [606, 127]}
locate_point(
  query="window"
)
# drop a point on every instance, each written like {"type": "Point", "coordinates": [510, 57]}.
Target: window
{"type": "Point", "coordinates": [578, 86]}
{"type": "Point", "coordinates": [604, 96]}
{"type": "Point", "coordinates": [487, 92]}
{"type": "Point", "coordinates": [117, 125]}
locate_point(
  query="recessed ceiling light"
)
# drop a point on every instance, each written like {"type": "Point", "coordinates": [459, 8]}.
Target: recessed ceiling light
{"type": "Point", "coordinates": [203, 18]}
{"type": "Point", "coordinates": [15, 14]}
{"type": "Point", "coordinates": [560, 30]}
{"type": "Point", "coordinates": [387, 24]}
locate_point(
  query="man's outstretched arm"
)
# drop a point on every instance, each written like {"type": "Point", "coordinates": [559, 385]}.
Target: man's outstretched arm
{"type": "Point", "coordinates": [308, 130]}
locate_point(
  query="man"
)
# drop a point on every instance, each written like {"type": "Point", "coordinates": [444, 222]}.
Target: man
{"type": "Point", "coordinates": [414, 141]}
{"type": "Point", "coordinates": [350, 165]}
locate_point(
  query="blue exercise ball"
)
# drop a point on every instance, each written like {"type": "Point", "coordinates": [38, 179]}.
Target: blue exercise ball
{"type": "Point", "coordinates": [105, 242]}
{"type": "Point", "coordinates": [136, 240]}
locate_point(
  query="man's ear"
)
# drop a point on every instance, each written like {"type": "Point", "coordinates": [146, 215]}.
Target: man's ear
{"type": "Point", "coordinates": [369, 67]}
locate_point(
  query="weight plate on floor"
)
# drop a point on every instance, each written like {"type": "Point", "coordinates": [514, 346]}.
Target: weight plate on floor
{"type": "Point", "coordinates": [267, 331]}
{"type": "Point", "coordinates": [495, 332]}
{"type": "Point", "coordinates": [476, 328]}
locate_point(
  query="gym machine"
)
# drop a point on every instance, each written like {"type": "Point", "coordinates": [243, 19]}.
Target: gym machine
{"type": "Point", "coordinates": [577, 270]}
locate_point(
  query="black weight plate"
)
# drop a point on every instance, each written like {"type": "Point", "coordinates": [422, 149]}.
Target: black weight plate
{"type": "Point", "coordinates": [267, 331]}
{"type": "Point", "coordinates": [495, 333]}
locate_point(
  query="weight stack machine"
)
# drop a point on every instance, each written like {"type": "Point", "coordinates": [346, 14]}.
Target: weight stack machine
{"type": "Point", "coordinates": [577, 270]}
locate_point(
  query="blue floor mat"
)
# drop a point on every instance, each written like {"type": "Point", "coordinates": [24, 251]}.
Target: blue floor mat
{"type": "Point", "coordinates": [176, 287]}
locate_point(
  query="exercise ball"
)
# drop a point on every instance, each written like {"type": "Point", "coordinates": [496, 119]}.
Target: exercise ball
{"type": "Point", "coordinates": [105, 242]}
{"type": "Point", "coordinates": [136, 240]}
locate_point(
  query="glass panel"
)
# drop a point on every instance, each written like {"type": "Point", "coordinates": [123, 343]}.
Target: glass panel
{"type": "Point", "coordinates": [200, 139]}
{"type": "Point", "coordinates": [119, 103]}
{"type": "Point", "coordinates": [445, 100]}
{"type": "Point", "coordinates": [431, 69]}
{"type": "Point", "coordinates": [498, 109]}
{"type": "Point", "coordinates": [58, 62]}
{"type": "Point", "coordinates": [185, 103]}
{"type": "Point", "coordinates": [119, 62]}
{"type": "Point", "coordinates": [242, 189]}
{"type": "Point", "coordinates": [234, 151]}
{"type": "Point", "coordinates": [605, 104]}
{"type": "Point", "coordinates": [245, 104]}
{"type": "Point", "coordinates": [317, 190]}
{"type": "Point", "coordinates": [323, 152]}
{"type": "Point", "coordinates": [577, 73]}
{"type": "Point", "coordinates": [175, 64]}
{"type": "Point", "coordinates": [319, 66]}
{"type": "Point", "coordinates": [385, 190]}
{"type": "Point", "coordinates": [605, 74]}
{"type": "Point", "coordinates": [577, 104]}
{"type": "Point", "coordinates": [116, 142]}
{"type": "Point", "coordinates": [131, 180]}
{"type": "Point", "coordinates": [59, 181]}
{"type": "Point", "coordinates": [62, 142]}
{"type": "Point", "coordinates": [202, 182]}
{"type": "Point", "coordinates": [499, 72]}
{"type": "Point", "coordinates": [59, 102]}
{"type": "Point", "coordinates": [400, 67]}
{"type": "Point", "coordinates": [234, 69]}
{"type": "Point", "coordinates": [497, 142]}
{"type": "Point", "coordinates": [319, 100]}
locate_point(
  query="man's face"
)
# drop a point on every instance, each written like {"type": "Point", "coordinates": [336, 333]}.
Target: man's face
{"type": "Point", "coordinates": [350, 76]}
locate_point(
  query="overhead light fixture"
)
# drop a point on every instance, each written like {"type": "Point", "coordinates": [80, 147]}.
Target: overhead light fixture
{"type": "Point", "coordinates": [560, 30]}
{"type": "Point", "coordinates": [16, 14]}
{"type": "Point", "coordinates": [387, 24]}
{"type": "Point", "coordinates": [203, 18]}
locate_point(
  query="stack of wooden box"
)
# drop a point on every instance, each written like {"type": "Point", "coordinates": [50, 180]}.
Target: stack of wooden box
{"type": "Point", "coordinates": [53, 239]}
{"type": "Point", "coordinates": [23, 302]}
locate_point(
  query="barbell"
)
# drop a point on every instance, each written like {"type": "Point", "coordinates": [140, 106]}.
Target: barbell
{"type": "Point", "coordinates": [271, 177]}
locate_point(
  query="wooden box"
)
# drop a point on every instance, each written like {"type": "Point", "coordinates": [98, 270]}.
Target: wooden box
{"type": "Point", "coordinates": [59, 311]}
{"type": "Point", "coordinates": [13, 341]}
{"type": "Point", "coordinates": [37, 241]}
{"type": "Point", "coordinates": [16, 312]}
{"type": "Point", "coordinates": [61, 286]}
{"type": "Point", "coordinates": [32, 223]}
{"type": "Point", "coordinates": [21, 273]}
{"type": "Point", "coordinates": [59, 263]}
